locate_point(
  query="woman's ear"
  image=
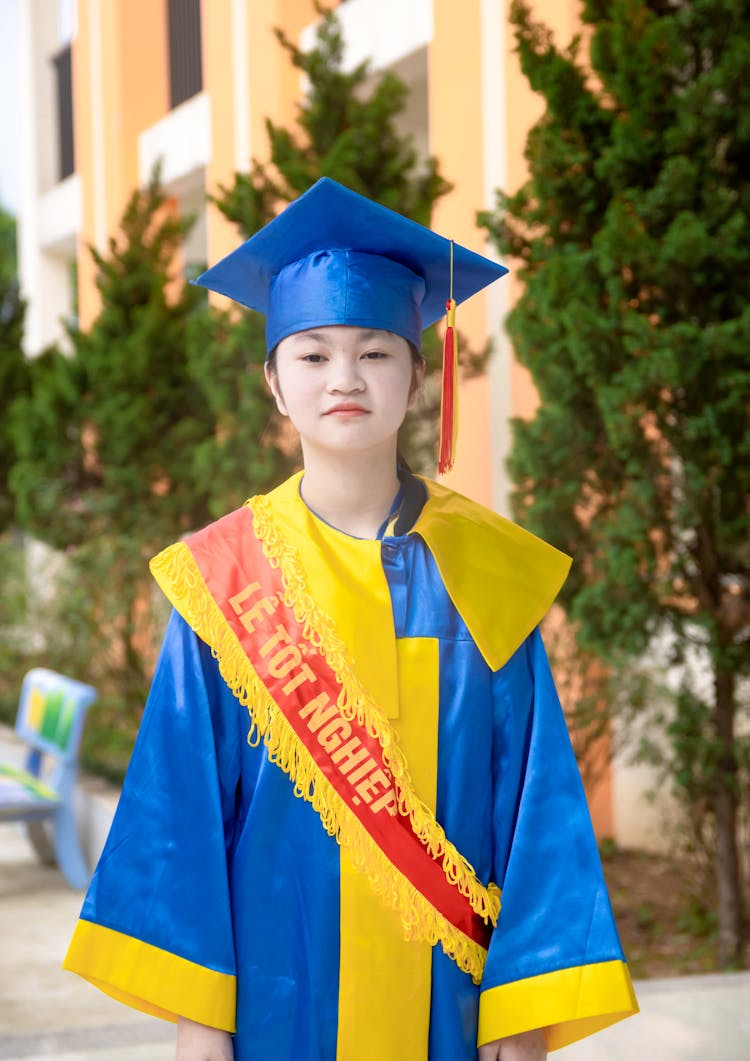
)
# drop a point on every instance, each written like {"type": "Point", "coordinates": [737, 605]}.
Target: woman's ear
{"type": "Point", "coordinates": [272, 379]}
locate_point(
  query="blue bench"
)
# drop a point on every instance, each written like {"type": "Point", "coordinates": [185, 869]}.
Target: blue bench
{"type": "Point", "coordinates": [49, 722]}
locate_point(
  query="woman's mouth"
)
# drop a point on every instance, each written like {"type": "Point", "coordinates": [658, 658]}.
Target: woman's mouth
{"type": "Point", "coordinates": [346, 409]}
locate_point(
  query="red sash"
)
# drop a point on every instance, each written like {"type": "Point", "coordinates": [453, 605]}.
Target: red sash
{"type": "Point", "coordinates": [340, 752]}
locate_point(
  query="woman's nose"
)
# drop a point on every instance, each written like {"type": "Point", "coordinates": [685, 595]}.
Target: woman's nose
{"type": "Point", "coordinates": [345, 376]}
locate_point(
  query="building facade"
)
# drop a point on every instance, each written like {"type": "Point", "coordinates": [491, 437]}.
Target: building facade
{"type": "Point", "coordinates": [110, 87]}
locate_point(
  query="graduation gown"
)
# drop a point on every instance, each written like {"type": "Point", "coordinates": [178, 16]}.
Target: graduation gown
{"type": "Point", "coordinates": [219, 895]}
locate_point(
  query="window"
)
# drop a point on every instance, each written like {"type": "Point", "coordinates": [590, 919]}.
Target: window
{"type": "Point", "coordinates": [64, 91]}
{"type": "Point", "coordinates": [185, 59]}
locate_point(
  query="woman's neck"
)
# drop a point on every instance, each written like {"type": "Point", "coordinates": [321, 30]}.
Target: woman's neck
{"type": "Point", "coordinates": [352, 492]}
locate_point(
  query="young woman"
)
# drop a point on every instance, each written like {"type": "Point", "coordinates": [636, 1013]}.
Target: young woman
{"type": "Point", "coordinates": [353, 744]}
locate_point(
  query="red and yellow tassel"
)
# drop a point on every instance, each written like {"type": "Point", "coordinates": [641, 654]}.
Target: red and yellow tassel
{"type": "Point", "coordinates": [449, 391]}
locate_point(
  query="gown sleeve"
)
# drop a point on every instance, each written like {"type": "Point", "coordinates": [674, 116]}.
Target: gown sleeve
{"type": "Point", "coordinates": [155, 930]}
{"type": "Point", "coordinates": [554, 960]}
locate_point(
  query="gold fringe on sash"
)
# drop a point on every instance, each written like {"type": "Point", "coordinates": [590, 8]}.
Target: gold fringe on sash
{"type": "Point", "coordinates": [179, 576]}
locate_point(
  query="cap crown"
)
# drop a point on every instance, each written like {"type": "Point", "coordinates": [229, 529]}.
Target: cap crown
{"type": "Point", "coordinates": [334, 257]}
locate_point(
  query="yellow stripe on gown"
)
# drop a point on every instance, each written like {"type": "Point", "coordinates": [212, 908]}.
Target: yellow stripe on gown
{"type": "Point", "coordinates": [384, 980]}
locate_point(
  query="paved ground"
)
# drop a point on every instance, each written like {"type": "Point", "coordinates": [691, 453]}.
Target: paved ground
{"type": "Point", "coordinates": [690, 1018]}
{"type": "Point", "coordinates": [47, 1013]}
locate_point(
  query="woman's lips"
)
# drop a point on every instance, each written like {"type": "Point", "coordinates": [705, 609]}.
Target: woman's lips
{"type": "Point", "coordinates": [346, 409]}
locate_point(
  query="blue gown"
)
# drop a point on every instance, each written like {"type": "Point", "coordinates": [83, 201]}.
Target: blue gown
{"type": "Point", "coordinates": [215, 864]}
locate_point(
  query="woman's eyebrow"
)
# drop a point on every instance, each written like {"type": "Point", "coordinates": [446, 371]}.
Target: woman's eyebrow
{"type": "Point", "coordinates": [366, 335]}
{"type": "Point", "coordinates": [379, 335]}
{"type": "Point", "coordinates": [305, 337]}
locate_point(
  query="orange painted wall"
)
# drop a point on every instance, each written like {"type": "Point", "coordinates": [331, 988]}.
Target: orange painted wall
{"type": "Point", "coordinates": [455, 119]}
{"type": "Point", "coordinates": [273, 88]}
{"type": "Point", "coordinates": [142, 89]}
{"type": "Point", "coordinates": [218, 80]}
{"type": "Point", "coordinates": [456, 137]}
{"type": "Point", "coordinates": [121, 87]}
{"type": "Point", "coordinates": [524, 110]}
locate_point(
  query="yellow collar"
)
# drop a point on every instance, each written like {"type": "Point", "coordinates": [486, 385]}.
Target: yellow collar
{"type": "Point", "coordinates": [501, 578]}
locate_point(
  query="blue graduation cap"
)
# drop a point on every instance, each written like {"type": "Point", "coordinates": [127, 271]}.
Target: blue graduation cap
{"type": "Point", "coordinates": [334, 257]}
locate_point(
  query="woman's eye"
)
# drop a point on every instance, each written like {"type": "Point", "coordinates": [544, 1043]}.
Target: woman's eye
{"type": "Point", "coordinates": [313, 359]}
{"type": "Point", "coordinates": [375, 355]}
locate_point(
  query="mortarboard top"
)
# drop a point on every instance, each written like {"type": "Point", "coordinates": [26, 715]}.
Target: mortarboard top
{"type": "Point", "coordinates": [334, 257]}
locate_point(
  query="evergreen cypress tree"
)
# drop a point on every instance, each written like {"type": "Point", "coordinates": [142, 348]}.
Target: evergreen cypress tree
{"type": "Point", "coordinates": [13, 383]}
{"type": "Point", "coordinates": [633, 234]}
{"type": "Point", "coordinates": [13, 373]}
{"type": "Point", "coordinates": [105, 444]}
{"type": "Point", "coordinates": [111, 428]}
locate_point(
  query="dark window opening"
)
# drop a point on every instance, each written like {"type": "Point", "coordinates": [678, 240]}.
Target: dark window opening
{"type": "Point", "coordinates": [64, 87]}
{"type": "Point", "coordinates": [185, 58]}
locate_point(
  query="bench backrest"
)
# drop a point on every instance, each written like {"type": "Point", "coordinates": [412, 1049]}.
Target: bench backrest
{"type": "Point", "coordinates": [51, 713]}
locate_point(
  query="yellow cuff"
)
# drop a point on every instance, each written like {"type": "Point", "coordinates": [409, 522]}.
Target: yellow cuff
{"type": "Point", "coordinates": [150, 979]}
{"type": "Point", "coordinates": [569, 1003]}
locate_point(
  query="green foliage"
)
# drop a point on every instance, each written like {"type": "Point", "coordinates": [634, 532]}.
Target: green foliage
{"type": "Point", "coordinates": [13, 383]}
{"type": "Point", "coordinates": [105, 438]}
{"type": "Point", "coordinates": [646, 920]}
{"type": "Point", "coordinates": [633, 235]}
{"type": "Point", "coordinates": [241, 455]}
{"type": "Point", "coordinates": [13, 374]}
{"type": "Point", "coordinates": [698, 919]}
{"type": "Point", "coordinates": [7, 249]}
{"type": "Point", "coordinates": [608, 848]}
{"type": "Point", "coordinates": [104, 469]}
{"type": "Point", "coordinates": [146, 430]}
{"type": "Point", "coordinates": [12, 614]}
{"type": "Point", "coordinates": [348, 130]}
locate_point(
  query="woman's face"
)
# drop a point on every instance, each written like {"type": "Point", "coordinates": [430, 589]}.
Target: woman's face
{"type": "Point", "coordinates": [344, 388]}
